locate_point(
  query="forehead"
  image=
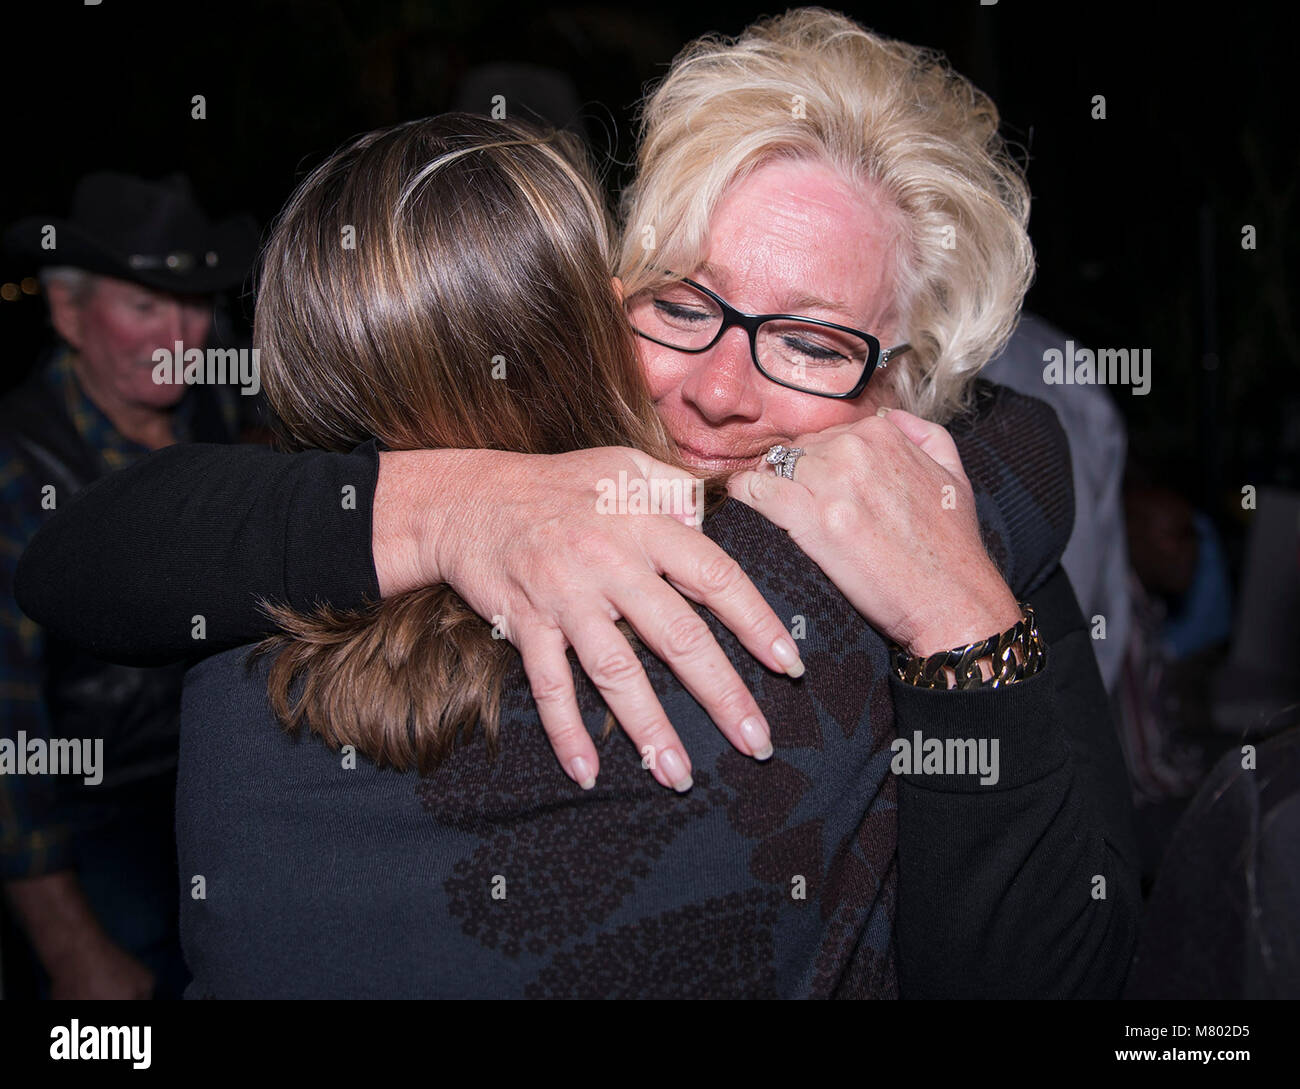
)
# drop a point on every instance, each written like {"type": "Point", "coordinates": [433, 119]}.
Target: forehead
{"type": "Point", "coordinates": [110, 289]}
{"type": "Point", "coordinates": [795, 234]}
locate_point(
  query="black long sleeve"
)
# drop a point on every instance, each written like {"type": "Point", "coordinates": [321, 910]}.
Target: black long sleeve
{"type": "Point", "coordinates": [125, 569]}
{"type": "Point", "coordinates": [998, 890]}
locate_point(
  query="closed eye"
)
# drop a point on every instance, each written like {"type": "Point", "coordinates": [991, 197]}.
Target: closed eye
{"type": "Point", "coordinates": [818, 352]}
{"type": "Point", "coordinates": [678, 312]}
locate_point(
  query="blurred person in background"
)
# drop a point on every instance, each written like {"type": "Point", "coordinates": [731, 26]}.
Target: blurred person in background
{"type": "Point", "coordinates": [1181, 598]}
{"type": "Point", "coordinates": [88, 861]}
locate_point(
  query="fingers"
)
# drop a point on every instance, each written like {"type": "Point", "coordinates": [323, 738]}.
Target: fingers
{"type": "Point", "coordinates": [614, 669]}
{"type": "Point", "coordinates": [930, 437]}
{"type": "Point", "coordinates": [579, 579]}
{"type": "Point", "coordinates": [682, 640]}
{"type": "Point", "coordinates": [551, 681]}
{"type": "Point", "coordinates": [787, 503]}
{"type": "Point", "coordinates": [701, 570]}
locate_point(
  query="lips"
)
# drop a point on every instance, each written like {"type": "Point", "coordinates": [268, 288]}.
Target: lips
{"type": "Point", "coordinates": [717, 457]}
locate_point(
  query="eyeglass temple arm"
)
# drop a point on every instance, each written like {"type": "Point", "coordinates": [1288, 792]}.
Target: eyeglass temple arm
{"type": "Point", "coordinates": [889, 353]}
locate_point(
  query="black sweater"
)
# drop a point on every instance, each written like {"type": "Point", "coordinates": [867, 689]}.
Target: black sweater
{"type": "Point", "coordinates": [1025, 888]}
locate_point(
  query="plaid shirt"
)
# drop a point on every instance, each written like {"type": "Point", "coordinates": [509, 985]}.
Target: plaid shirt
{"type": "Point", "coordinates": [35, 838]}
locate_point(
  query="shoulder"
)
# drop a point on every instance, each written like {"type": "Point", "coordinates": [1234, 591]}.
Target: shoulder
{"type": "Point", "coordinates": [1002, 420]}
{"type": "Point", "coordinates": [223, 688]}
{"type": "Point", "coordinates": [778, 567]}
{"type": "Point", "coordinates": [236, 757]}
{"type": "Point", "coordinates": [1017, 457]}
{"type": "Point", "coordinates": [227, 721]}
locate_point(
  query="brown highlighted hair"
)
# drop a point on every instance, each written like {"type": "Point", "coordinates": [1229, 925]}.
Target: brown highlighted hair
{"type": "Point", "coordinates": [444, 283]}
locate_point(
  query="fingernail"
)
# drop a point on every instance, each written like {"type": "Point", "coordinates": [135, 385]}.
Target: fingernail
{"type": "Point", "coordinates": [883, 410]}
{"type": "Point", "coordinates": [783, 650]}
{"type": "Point", "coordinates": [675, 770]}
{"type": "Point", "coordinates": [581, 772]}
{"type": "Point", "coordinates": [757, 737]}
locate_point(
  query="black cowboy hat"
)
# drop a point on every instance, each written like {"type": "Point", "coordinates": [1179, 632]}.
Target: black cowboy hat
{"type": "Point", "coordinates": [150, 233]}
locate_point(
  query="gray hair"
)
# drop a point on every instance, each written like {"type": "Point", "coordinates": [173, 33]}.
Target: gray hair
{"type": "Point", "coordinates": [78, 281]}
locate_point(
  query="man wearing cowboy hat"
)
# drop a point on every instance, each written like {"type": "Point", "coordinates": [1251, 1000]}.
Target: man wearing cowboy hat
{"type": "Point", "coordinates": [88, 749]}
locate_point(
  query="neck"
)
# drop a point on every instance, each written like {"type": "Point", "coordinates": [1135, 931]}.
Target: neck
{"type": "Point", "coordinates": [148, 425]}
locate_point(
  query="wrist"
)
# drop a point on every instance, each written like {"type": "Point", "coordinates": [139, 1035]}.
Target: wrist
{"type": "Point", "coordinates": [394, 541]}
{"type": "Point", "coordinates": [1004, 657]}
{"type": "Point", "coordinates": [968, 621]}
{"type": "Point", "coordinates": [73, 950]}
{"type": "Point", "coordinates": [54, 913]}
{"type": "Point", "coordinates": [419, 498]}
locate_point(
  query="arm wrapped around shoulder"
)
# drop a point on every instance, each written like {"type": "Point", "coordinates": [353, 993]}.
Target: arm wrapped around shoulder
{"type": "Point", "coordinates": [200, 530]}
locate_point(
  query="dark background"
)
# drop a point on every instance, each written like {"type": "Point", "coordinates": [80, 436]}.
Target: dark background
{"type": "Point", "coordinates": [1137, 219]}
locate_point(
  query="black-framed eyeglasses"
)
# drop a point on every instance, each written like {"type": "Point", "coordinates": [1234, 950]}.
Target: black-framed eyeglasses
{"type": "Point", "coordinates": [800, 353]}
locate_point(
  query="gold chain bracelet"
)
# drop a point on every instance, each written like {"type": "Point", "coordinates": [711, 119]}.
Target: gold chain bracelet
{"type": "Point", "coordinates": [932, 670]}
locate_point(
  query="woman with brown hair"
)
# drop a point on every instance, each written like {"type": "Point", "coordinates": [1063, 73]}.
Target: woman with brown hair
{"type": "Point", "coordinates": [445, 283]}
{"type": "Point", "coordinates": [441, 284]}
{"type": "Point", "coordinates": [777, 260]}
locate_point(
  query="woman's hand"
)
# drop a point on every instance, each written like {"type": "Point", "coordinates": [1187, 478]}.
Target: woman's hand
{"type": "Point", "coordinates": [884, 508]}
{"type": "Point", "coordinates": [530, 546]}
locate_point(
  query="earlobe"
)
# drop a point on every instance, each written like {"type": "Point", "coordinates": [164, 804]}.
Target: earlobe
{"type": "Point", "coordinates": [65, 314]}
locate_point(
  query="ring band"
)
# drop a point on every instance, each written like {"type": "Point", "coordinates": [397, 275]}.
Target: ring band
{"type": "Point", "coordinates": [782, 459]}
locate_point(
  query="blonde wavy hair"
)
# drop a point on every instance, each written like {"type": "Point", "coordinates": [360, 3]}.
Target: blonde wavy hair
{"type": "Point", "coordinates": [891, 118]}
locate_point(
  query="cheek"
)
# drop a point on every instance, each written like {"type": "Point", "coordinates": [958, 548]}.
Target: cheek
{"type": "Point", "coordinates": [665, 370]}
{"type": "Point", "coordinates": [131, 337]}
{"type": "Point", "coordinates": [116, 343]}
{"type": "Point", "coordinates": [197, 327]}
{"type": "Point", "coordinates": [789, 413]}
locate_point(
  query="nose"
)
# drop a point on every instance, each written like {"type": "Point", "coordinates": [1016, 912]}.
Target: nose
{"type": "Point", "coordinates": [186, 321]}
{"type": "Point", "coordinates": [198, 323]}
{"type": "Point", "coordinates": [172, 321]}
{"type": "Point", "coordinates": [723, 385]}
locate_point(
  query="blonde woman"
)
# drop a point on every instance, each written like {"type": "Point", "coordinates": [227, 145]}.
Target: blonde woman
{"type": "Point", "coordinates": [809, 175]}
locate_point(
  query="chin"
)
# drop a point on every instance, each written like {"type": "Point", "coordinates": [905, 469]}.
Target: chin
{"type": "Point", "coordinates": [156, 395]}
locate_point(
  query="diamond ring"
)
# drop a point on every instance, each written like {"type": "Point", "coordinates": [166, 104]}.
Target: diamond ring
{"type": "Point", "coordinates": [782, 459]}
